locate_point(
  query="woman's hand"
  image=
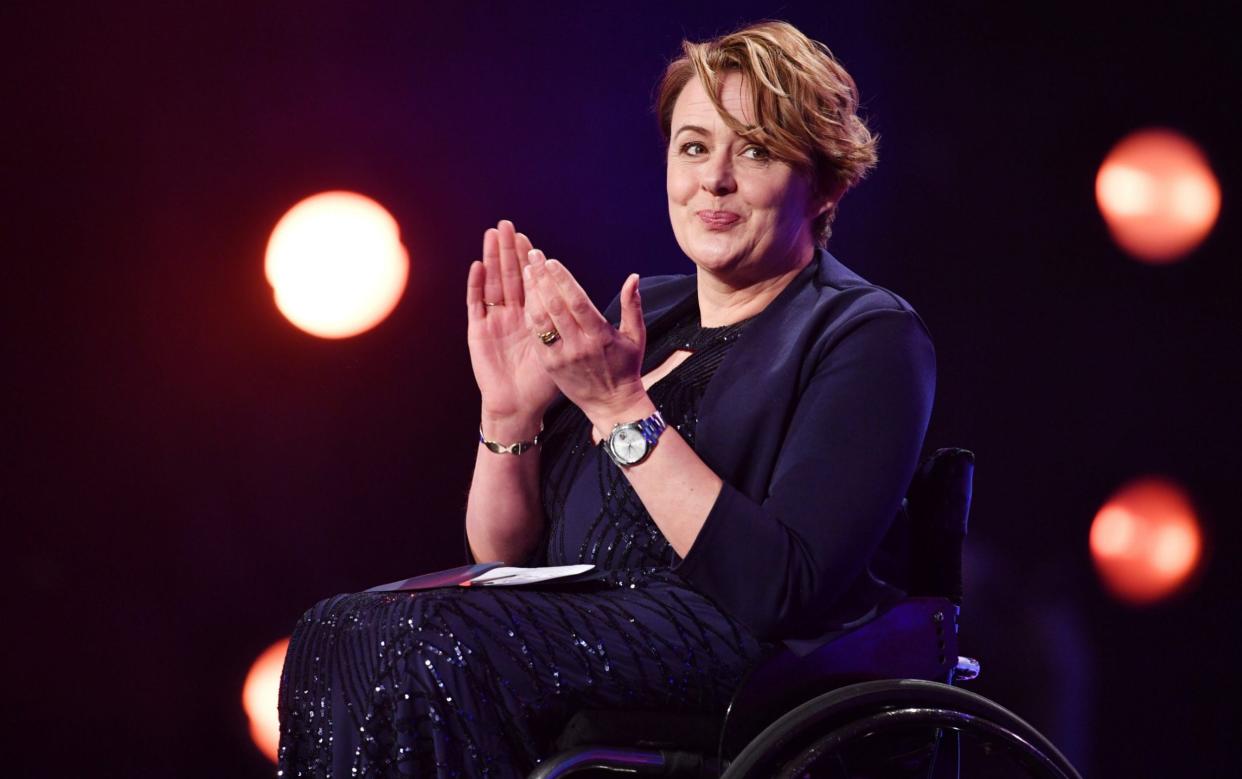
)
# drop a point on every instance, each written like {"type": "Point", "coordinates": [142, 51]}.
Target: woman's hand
{"type": "Point", "coordinates": [503, 354]}
{"type": "Point", "coordinates": [598, 367]}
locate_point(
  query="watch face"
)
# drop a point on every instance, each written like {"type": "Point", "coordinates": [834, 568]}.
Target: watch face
{"type": "Point", "coordinates": [628, 444]}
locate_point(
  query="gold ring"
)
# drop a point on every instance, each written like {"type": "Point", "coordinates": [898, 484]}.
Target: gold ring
{"type": "Point", "coordinates": [549, 337]}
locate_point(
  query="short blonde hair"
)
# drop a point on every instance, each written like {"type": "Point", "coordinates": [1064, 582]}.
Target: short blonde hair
{"type": "Point", "coordinates": [804, 103]}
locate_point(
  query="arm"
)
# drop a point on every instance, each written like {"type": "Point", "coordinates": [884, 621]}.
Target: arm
{"type": "Point", "coordinates": [598, 368]}
{"type": "Point", "coordinates": [674, 484]}
{"type": "Point", "coordinates": [851, 448]}
{"type": "Point", "coordinates": [847, 458]}
{"type": "Point", "coordinates": [504, 517]}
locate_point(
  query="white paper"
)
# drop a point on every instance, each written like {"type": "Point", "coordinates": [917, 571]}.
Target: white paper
{"type": "Point", "coordinates": [509, 576]}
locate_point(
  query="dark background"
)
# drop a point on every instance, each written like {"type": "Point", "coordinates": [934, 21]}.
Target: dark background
{"type": "Point", "coordinates": [185, 472]}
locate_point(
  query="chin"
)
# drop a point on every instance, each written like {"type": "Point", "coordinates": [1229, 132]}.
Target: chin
{"type": "Point", "coordinates": [713, 260]}
{"type": "Point", "coordinates": [715, 255]}
{"type": "Point", "coordinates": [711, 251]}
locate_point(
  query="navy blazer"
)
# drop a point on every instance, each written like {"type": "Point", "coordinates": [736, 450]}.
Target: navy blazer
{"type": "Point", "coordinates": [815, 421]}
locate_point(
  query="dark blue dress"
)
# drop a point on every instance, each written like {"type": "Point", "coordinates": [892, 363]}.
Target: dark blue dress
{"type": "Point", "coordinates": [467, 682]}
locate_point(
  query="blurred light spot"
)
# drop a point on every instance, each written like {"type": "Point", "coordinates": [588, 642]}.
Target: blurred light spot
{"type": "Point", "coordinates": [259, 694]}
{"type": "Point", "coordinates": [1146, 541]}
{"type": "Point", "coordinates": [1158, 195]}
{"type": "Point", "coordinates": [336, 263]}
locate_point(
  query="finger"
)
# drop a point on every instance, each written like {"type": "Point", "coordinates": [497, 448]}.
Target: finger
{"type": "Point", "coordinates": [537, 318]}
{"type": "Point", "coordinates": [577, 302]}
{"type": "Point", "coordinates": [523, 248]}
{"type": "Point", "coordinates": [632, 325]}
{"type": "Point", "coordinates": [529, 286]}
{"type": "Point", "coordinates": [510, 267]}
{"type": "Point", "coordinates": [553, 302]}
{"type": "Point", "coordinates": [492, 290]}
{"type": "Point", "coordinates": [475, 310]}
{"type": "Point", "coordinates": [528, 280]}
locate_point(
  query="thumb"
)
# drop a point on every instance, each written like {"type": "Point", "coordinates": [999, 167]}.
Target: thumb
{"type": "Point", "coordinates": [632, 311]}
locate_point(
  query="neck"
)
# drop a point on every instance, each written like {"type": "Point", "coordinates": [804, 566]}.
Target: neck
{"type": "Point", "coordinates": [723, 301]}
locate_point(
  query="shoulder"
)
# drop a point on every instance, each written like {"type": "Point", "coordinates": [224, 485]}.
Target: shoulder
{"type": "Point", "coordinates": [852, 327]}
{"type": "Point", "coordinates": [825, 301]}
{"type": "Point", "coordinates": [672, 285]}
{"type": "Point", "coordinates": [830, 303]}
{"type": "Point", "coordinates": [851, 296]}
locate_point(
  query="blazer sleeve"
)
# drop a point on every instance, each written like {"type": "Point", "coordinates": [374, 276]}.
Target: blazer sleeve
{"type": "Point", "coordinates": [853, 442]}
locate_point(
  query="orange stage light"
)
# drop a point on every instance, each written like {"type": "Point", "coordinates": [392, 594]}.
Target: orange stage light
{"type": "Point", "coordinates": [1158, 195]}
{"type": "Point", "coordinates": [259, 695]}
{"type": "Point", "coordinates": [1146, 541]}
{"type": "Point", "coordinates": [336, 263]}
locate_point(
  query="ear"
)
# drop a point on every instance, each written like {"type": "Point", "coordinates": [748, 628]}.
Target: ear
{"type": "Point", "coordinates": [823, 201]}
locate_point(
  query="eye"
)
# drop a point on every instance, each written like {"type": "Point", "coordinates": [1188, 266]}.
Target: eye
{"type": "Point", "coordinates": [686, 148]}
{"type": "Point", "coordinates": [760, 153]}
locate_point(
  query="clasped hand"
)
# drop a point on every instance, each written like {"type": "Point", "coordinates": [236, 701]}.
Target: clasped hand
{"type": "Point", "coordinates": [596, 366]}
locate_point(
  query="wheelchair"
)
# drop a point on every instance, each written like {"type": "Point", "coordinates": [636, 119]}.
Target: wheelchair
{"type": "Point", "coordinates": [878, 701]}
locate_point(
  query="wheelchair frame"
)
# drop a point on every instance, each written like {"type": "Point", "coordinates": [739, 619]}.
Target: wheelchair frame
{"type": "Point", "coordinates": [893, 674]}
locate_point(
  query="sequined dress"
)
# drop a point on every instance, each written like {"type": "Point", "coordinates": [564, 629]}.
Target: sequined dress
{"type": "Point", "coordinates": [466, 682]}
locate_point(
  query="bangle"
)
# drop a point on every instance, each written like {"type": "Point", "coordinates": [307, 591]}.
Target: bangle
{"type": "Point", "coordinates": [517, 448]}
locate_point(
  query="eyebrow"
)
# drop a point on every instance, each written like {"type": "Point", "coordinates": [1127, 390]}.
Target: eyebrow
{"type": "Point", "coordinates": [692, 128]}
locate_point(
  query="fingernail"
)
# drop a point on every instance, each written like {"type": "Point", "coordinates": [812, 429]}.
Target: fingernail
{"type": "Point", "coordinates": [532, 255]}
{"type": "Point", "coordinates": [526, 273]}
{"type": "Point", "coordinates": [555, 265]}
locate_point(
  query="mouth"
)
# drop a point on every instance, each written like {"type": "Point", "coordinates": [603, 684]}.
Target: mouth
{"type": "Point", "coordinates": [718, 220]}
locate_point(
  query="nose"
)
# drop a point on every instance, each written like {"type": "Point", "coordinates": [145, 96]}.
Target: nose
{"type": "Point", "coordinates": [718, 175]}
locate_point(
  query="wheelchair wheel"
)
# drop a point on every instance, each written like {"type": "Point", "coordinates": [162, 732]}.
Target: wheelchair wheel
{"type": "Point", "coordinates": [899, 728]}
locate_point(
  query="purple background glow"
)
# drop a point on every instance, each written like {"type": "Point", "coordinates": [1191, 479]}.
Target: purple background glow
{"type": "Point", "coordinates": [186, 472]}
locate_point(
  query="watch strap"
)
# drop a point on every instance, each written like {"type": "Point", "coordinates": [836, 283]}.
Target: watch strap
{"type": "Point", "coordinates": [651, 428]}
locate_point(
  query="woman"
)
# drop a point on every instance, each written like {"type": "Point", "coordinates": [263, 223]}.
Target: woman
{"type": "Point", "coordinates": [728, 448]}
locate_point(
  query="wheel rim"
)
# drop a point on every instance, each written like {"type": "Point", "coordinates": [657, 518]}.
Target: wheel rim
{"type": "Point", "coordinates": [792, 733]}
{"type": "Point", "coordinates": [1021, 749]}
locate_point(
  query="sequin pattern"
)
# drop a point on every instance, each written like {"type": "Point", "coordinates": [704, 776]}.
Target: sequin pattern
{"type": "Point", "coordinates": [477, 682]}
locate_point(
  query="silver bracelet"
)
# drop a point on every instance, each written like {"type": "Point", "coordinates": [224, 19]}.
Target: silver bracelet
{"type": "Point", "coordinates": [518, 448]}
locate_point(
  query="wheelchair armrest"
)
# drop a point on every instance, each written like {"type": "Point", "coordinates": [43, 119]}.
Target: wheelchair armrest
{"type": "Point", "coordinates": [915, 638]}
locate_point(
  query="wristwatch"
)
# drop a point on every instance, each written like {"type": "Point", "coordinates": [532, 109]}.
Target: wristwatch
{"type": "Point", "coordinates": [630, 443]}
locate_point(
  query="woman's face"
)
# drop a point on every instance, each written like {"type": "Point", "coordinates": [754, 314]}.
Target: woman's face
{"type": "Point", "coordinates": [737, 213]}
